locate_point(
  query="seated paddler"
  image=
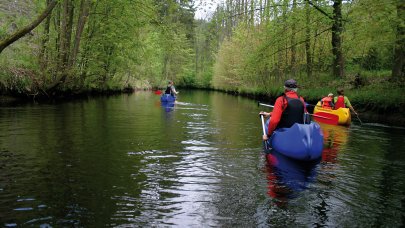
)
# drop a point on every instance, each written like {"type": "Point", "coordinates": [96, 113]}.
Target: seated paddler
{"type": "Point", "coordinates": [289, 109]}
{"type": "Point", "coordinates": [170, 89]}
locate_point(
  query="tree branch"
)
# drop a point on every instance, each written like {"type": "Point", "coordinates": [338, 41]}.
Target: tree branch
{"type": "Point", "coordinates": [17, 35]}
{"type": "Point", "coordinates": [319, 9]}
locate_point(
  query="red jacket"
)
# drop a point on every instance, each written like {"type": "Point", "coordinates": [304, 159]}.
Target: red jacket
{"type": "Point", "coordinates": [279, 107]}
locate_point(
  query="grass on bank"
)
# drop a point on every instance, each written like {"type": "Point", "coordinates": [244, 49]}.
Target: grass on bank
{"type": "Point", "coordinates": [373, 91]}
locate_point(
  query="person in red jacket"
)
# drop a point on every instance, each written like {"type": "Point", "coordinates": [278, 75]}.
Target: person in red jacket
{"type": "Point", "coordinates": [289, 108]}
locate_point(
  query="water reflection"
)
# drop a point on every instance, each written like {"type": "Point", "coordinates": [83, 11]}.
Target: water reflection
{"type": "Point", "coordinates": [335, 139]}
{"type": "Point", "coordinates": [287, 177]}
{"type": "Point", "coordinates": [123, 161]}
{"type": "Point", "coordinates": [168, 106]}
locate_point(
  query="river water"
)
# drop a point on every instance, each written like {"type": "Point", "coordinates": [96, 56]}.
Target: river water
{"type": "Point", "coordinates": [126, 161]}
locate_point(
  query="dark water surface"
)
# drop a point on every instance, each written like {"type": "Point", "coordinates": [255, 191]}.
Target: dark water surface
{"type": "Point", "coordinates": [127, 161]}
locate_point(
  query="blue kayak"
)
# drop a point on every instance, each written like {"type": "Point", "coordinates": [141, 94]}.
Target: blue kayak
{"type": "Point", "coordinates": [301, 141]}
{"type": "Point", "coordinates": [167, 98]}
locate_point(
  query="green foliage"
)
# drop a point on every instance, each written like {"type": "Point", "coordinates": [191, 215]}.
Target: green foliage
{"type": "Point", "coordinates": [142, 44]}
{"type": "Point", "coordinates": [137, 43]}
{"type": "Point", "coordinates": [260, 57]}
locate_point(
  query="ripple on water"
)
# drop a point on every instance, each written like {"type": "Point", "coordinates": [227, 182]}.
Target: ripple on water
{"type": "Point", "coordinates": [132, 153]}
{"type": "Point", "coordinates": [195, 142]}
{"type": "Point", "coordinates": [23, 209]}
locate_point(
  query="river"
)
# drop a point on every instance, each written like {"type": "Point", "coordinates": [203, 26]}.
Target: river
{"type": "Point", "coordinates": [126, 161]}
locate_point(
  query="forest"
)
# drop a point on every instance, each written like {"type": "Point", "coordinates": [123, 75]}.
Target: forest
{"type": "Point", "coordinates": [53, 48]}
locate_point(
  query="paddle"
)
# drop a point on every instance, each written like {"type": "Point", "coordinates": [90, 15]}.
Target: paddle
{"type": "Point", "coordinates": [158, 92]}
{"type": "Point", "coordinates": [326, 117]}
{"type": "Point", "coordinates": [266, 146]}
{"type": "Point", "coordinates": [267, 105]}
{"type": "Point", "coordinates": [357, 115]}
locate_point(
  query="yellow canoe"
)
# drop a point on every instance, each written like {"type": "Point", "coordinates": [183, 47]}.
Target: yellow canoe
{"type": "Point", "coordinates": [343, 113]}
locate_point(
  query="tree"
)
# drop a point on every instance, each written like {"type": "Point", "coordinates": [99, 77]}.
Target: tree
{"type": "Point", "coordinates": [338, 62]}
{"type": "Point", "coordinates": [399, 45]}
{"type": "Point", "coordinates": [22, 32]}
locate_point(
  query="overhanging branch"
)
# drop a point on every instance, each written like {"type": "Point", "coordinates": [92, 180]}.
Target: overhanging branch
{"type": "Point", "coordinates": [17, 35]}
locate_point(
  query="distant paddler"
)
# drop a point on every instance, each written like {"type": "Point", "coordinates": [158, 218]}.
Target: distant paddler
{"type": "Point", "coordinates": [170, 89]}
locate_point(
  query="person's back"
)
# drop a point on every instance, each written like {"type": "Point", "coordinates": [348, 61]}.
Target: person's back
{"type": "Point", "coordinates": [341, 101]}
{"type": "Point", "coordinates": [170, 89]}
{"type": "Point", "coordinates": [289, 109]}
{"type": "Point", "coordinates": [293, 112]}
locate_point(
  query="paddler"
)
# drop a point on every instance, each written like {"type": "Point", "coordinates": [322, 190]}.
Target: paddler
{"type": "Point", "coordinates": [289, 109]}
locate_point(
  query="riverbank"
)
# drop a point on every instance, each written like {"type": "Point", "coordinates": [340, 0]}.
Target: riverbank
{"type": "Point", "coordinates": [368, 113]}
{"type": "Point", "coordinates": [13, 98]}
{"type": "Point", "coordinates": [382, 102]}
{"type": "Point", "coordinates": [377, 100]}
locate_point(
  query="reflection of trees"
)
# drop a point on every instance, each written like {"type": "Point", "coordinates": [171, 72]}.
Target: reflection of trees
{"type": "Point", "coordinates": [391, 185]}
{"type": "Point", "coordinates": [335, 140]}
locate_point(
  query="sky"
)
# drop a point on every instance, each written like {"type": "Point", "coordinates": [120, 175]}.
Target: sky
{"type": "Point", "coordinates": [205, 8]}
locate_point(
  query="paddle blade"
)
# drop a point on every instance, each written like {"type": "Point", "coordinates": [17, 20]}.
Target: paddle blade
{"type": "Point", "coordinates": [327, 118]}
{"type": "Point", "coordinates": [158, 92]}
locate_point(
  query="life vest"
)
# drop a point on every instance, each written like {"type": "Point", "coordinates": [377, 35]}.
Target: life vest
{"type": "Point", "coordinates": [340, 103]}
{"type": "Point", "coordinates": [327, 102]}
{"type": "Point", "coordinates": [169, 90]}
{"type": "Point", "coordinates": [293, 113]}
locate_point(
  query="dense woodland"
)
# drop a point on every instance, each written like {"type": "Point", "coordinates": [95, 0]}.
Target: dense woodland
{"type": "Point", "coordinates": [53, 47]}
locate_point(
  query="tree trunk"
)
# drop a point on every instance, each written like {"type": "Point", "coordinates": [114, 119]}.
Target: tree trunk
{"type": "Point", "coordinates": [252, 13]}
{"type": "Point", "coordinates": [228, 19]}
{"type": "Point", "coordinates": [42, 55]}
{"type": "Point", "coordinates": [337, 64]}
{"type": "Point", "coordinates": [399, 48]}
{"type": "Point", "coordinates": [84, 12]}
{"type": "Point", "coordinates": [246, 15]}
{"type": "Point", "coordinates": [261, 12]}
{"type": "Point", "coordinates": [293, 31]}
{"type": "Point", "coordinates": [267, 10]}
{"type": "Point", "coordinates": [63, 50]}
{"type": "Point", "coordinates": [308, 40]}
{"type": "Point", "coordinates": [64, 44]}
{"type": "Point", "coordinates": [17, 35]}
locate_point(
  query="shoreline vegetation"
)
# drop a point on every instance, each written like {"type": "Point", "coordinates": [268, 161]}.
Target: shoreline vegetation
{"type": "Point", "coordinates": [62, 49]}
{"type": "Point", "coordinates": [381, 103]}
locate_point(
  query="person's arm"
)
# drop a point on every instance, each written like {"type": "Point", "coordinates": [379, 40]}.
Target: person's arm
{"type": "Point", "coordinates": [349, 105]}
{"type": "Point", "coordinates": [174, 90]}
{"type": "Point", "coordinates": [275, 117]}
{"type": "Point", "coordinates": [351, 108]}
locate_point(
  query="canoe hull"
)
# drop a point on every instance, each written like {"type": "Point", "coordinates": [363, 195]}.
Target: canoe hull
{"type": "Point", "coordinates": [301, 141]}
{"type": "Point", "coordinates": [167, 98]}
{"type": "Point", "coordinates": [343, 113]}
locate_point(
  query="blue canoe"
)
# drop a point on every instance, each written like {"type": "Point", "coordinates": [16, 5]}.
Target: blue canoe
{"type": "Point", "coordinates": [301, 141]}
{"type": "Point", "coordinates": [167, 98]}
